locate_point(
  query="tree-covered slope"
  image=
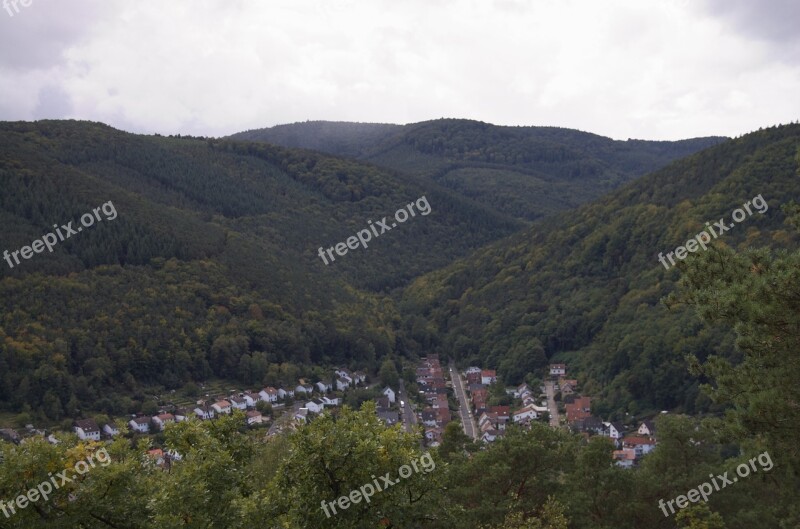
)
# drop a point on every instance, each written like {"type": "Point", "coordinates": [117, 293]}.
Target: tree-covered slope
{"type": "Point", "coordinates": [333, 137]}
{"type": "Point", "coordinates": [528, 172]}
{"type": "Point", "coordinates": [209, 268]}
{"type": "Point", "coordinates": [586, 285]}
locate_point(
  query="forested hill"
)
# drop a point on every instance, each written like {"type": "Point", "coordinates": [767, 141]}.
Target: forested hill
{"type": "Point", "coordinates": [210, 267]}
{"type": "Point", "coordinates": [585, 286]}
{"type": "Point", "coordinates": [527, 172]}
{"type": "Point", "coordinates": [341, 138]}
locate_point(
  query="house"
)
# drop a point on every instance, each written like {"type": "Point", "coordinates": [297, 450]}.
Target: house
{"type": "Point", "coordinates": [140, 424]}
{"type": "Point", "coordinates": [254, 417]}
{"type": "Point", "coordinates": [488, 376]}
{"type": "Point", "coordinates": [567, 387]}
{"type": "Point", "coordinates": [625, 457]}
{"type": "Point", "coordinates": [110, 430]}
{"type": "Point", "coordinates": [161, 421]}
{"type": "Point", "coordinates": [330, 402]}
{"type": "Point", "coordinates": [440, 401]}
{"type": "Point", "coordinates": [87, 429]}
{"type": "Point", "coordinates": [590, 424]}
{"type": "Point", "coordinates": [558, 370]}
{"type": "Point", "coordinates": [204, 412]}
{"type": "Point", "coordinates": [429, 417]}
{"type": "Point", "coordinates": [284, 393]}
{"type": "Point", "coordinates": [473, 378]}
{"type": "Point", "coordinates": [251, 398]}
{"type": "Point", "coordinates": [182, 414]}
{"type": "Point", "coordinates": [383, 402]}
{"type": "Point", "coordinates": [571, 381]}
{"type": "Point", "coordinates": [640, 445]}
{"type": "Point", "coordinates": [433, 435]}
{"type": "Point", "coordinates": [389, 393]}
{"type": "Point", "coordinates": [239, 403]}
{"type": "Point", "coordinates": [581, 408]}
{"type": "Point", "coordinates": [489, 436]}
{"type": "Point", "coordinates": [647, 428]}
{"type": "Point", "coordinates": [359, 377]}
{"type": "Point", "coordinates": [268, 394]}
{"type": "Point", "coordinates": [477, 386]}
{"type": "Point", "coordinates": [503, 412]}
{"type": "Point", "coordinates": [221, 406]}
{"type": "Point", "coordinates": [156, 456]}
{"type": "Point", "coordinates": [528, 400]}
{"type": "Point", "coordinates": [324, 387]}
{"type": "Point", "coordinates": [472, 369]}
{"type": "Point", "coordinates": [479, 401]}
{"type": "Point", "coordinates": [487, 418]}
{"type": "Point", "coordinates": [527, 413]}
{"type": "Point", "coordinates": [304, 389]}
{"type": "Point", "coordinates": [390, 417]}
{"type": "Point", "coordinates": [522, 390]}
{"type": "Point", "coordinates": [343, 373]}
{"type": "Point", "coordinates": [342, 384]}
{"type": "Point", "coordinates": [315, 406]}
{"type": "Point", "coordinates": [613, 430]}
{"type": "Point", "coordinates": [442, 416]}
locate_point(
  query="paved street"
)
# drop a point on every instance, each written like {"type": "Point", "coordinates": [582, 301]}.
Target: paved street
{"type": "Point", "coordinates": [549, 387]}
{"type": "Point", "coordinates": [409, 417]}
{"type": "Point", "coordinates": [461, 395]}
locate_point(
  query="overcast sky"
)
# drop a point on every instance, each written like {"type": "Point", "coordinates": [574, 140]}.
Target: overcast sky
{"type": "Point", "coordinates": [650, 69]}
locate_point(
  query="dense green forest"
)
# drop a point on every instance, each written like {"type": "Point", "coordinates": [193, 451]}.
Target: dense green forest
{"type": "Point", "coordinates": [209, 269]}
{"type": "Point", "coordinates": [527, 172]}
{"type": "Point", "coordinates": [586, 286]}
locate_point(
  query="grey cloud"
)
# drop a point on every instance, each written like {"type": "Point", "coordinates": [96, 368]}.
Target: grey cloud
{"type": "Point", "coordinates": [772, 21]}
{"type": "Point", "coordinates": [36, 36]}
{"type": "Point", "coordinates": [54, 103]}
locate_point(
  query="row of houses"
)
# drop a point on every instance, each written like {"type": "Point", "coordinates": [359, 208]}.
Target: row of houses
{"type": "Point", "coordinates": [478, 381]}
{"type": "Point", "coordinates": [530, 410]}
{"type": "Point", "coordinates": [341, 380]}
{"type": "Point", "coordinates": [436, 414]}
{"type": "Point", "coordinates": [493, 422]}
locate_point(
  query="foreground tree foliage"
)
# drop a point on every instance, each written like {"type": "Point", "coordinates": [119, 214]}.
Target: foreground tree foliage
{"type": "Point", "coordinates": [228, 478]}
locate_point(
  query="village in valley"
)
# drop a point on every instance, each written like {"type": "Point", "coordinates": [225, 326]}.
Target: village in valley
{"type": "Point", "coordinates": [476, 397]}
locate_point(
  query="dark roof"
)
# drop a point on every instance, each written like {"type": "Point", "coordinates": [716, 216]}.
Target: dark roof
{"type": "Point", "coordinates": [87, 425]}
{"type": "Point", "coordinates": [389, 416]}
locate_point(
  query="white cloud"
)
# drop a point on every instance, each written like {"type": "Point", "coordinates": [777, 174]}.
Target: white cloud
{"type": "Point", "coordinates": [622, 68]}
